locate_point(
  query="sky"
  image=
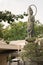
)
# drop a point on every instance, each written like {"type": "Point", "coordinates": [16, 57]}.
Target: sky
{"type": "Point", "coordinates": [21, 6]}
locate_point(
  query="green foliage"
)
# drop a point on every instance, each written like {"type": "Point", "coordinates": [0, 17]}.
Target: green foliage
{"type": "Point", "coordinates": [1, 31]}
{"type": "Point", "coordinates": [38, 30]}
{"type": "Point", "coordinates": [8, 16]}
{"type": "Point", "coordinates": [17, 31]}
{"type": "Point", "coordinates": [32, 51]}
{"type": "Point", "coordinates": [30, 39]}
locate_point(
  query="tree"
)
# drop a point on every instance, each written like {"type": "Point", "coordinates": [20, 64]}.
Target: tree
{"type": "Point", "coordinates": [38, 28]}
{"type": "Point", "coordinates": [8, 16]}
{"type": "Point", "coordinates": [17, 31]}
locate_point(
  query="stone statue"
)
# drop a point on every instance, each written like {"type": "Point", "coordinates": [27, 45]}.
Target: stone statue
{"type": "Point", "coordinates": [30, 24]}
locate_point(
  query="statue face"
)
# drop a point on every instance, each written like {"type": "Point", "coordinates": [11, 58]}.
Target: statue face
{"type": "Point", "coordinates": [30, 11]}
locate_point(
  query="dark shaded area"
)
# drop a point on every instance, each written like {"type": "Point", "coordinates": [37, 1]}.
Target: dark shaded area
{"type": "Point", "coordinates": [8, 51]}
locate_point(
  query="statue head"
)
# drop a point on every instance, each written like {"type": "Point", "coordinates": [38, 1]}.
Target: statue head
{"type": "Point", "coordinates": [30, 11]}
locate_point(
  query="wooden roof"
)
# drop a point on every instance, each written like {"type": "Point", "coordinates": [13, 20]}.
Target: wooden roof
{"type": "Point", "coordinates": [8, 48]}
{"type": "Point", "coordinates": [13, 45]}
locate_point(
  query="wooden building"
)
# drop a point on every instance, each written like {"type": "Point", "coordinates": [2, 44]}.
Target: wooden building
{"type": "Point", "coordinates": [6, 50]}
